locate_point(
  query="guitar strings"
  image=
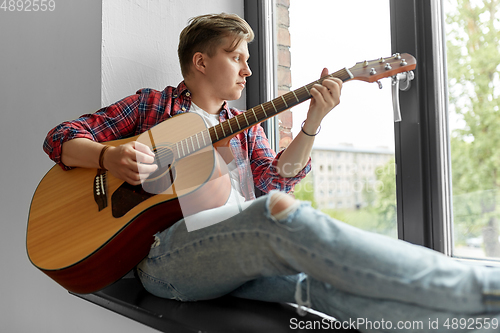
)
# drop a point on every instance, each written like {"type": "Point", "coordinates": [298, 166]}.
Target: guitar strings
{"type": "Point", "coordinates": [272, 107]}
{"type": "Point", "coordinates": [233, 125]}
{"type": "Point", "coordinates": [173, 150]}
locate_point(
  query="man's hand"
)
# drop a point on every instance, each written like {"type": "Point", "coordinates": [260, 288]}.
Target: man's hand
{"type": "Point", "coordinates": [325, 97]}
{"type": "Point", "coordinates": [130, 162]}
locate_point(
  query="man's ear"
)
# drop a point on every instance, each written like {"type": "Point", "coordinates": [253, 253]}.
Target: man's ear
{"type": "Point", "coordinates": [199, 62]}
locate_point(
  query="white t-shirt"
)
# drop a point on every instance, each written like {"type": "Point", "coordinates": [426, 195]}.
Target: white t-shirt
{"type": "Point", "coordinates": [236, 201]}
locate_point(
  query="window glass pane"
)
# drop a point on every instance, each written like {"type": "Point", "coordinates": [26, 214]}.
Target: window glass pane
{"type": "Point", "coordinates": [353, 175]}
{"type": "Point", "coordinates": [473, 61]}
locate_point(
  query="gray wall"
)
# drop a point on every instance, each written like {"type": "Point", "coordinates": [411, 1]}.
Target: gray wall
{"type": "Point", "coordinates": [139, 43]}
{"type": "Point", "coordinates": [50, 71]}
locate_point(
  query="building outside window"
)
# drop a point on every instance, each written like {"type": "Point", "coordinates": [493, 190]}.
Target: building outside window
{"type": "Point", "coordinates": [356, 183]}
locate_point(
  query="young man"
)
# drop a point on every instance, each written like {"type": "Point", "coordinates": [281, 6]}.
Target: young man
{"type": "Point", "coordinates": [277, 249]}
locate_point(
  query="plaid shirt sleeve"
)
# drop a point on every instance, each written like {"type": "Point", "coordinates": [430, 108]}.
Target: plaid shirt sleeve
{"type": "Point", "coordinates": [264, 164]}
{"type": "Point", "coordinates": [110, 123]}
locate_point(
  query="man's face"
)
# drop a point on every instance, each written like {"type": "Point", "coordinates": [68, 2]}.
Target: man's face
{"type": "Point", "coordinates": [227, 71]}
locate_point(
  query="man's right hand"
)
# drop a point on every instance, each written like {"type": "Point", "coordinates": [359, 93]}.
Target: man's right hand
{"type": "Point", "coordinates": [130, 162]}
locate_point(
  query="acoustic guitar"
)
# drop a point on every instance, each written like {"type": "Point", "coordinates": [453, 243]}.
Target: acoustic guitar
{"type": "Point", "coordinates": [87, 229]}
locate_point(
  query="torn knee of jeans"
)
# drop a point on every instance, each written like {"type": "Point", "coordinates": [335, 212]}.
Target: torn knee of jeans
{"type": "Point", "coordinates": [156, 241]}
{"type": "Point", "coordinates": [302, 304]}
{"type": "Point", "coordinates": [282, 205]}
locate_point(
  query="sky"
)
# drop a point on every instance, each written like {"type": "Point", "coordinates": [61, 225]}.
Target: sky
{"type": "Point", "coordinates": [337, 36]}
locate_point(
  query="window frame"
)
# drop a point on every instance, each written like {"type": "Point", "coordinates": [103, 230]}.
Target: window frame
{"type": "Point", "coordinates": [422, 137]}
{"type": "Point", "coordinates": [424, 207]}
{"type": "Point", "coordinates": [261, 85]}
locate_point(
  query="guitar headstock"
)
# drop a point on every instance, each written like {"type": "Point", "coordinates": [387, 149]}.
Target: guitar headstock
{"type": "Point", "coordinates": [374, 70]}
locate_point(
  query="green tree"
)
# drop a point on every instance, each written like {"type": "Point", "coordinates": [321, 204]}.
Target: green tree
{"type": "Point", "coordinates": [385, 202]}
{"type": "Point", "coordinates": [304, 190]}
{"type": "Point", "coordinates": [473, 71]}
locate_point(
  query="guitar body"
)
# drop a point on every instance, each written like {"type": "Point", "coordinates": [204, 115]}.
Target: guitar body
{"type": "Point", "coordinates": [85, 249]}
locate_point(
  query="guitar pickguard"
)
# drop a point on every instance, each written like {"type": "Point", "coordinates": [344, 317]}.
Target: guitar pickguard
{"type": "Point", "coordinates": [128, 196]}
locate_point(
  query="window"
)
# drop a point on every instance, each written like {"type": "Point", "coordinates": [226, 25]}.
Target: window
{"type": "Point", "coordinates": [362, 125]}
{"type": "Point", "coordinates": [421, 157]}
{"type": "Point", "coordinates": [421, 145]}
{"type": "Point", "coordinates": [473, 62]}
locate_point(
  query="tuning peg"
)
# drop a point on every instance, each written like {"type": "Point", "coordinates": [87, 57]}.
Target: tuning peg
{"type": "Point", "coordinates": [379, 84]}
{"type": "Point", "coordinates": [373, 71]}
{"type": "Point", "coordinates": [365, 63]}
{"type": "Point", "coordinates": [381, 60]}
{"type": "Point", "coordinates": [397, 56]}
{"type": "Point", "coordinates": [388, 67]}
{"type": "Point", "coordinates": [403, 62]}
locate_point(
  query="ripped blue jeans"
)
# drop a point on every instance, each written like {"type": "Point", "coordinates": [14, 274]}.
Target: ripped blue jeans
{"type": "Point", "coordinates": [310, 259]}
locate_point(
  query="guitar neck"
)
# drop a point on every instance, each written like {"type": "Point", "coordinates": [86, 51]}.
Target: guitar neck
{"type": "Point", "coordinates": [368, 71]}
{"type": "Point", "coordinates": [264, 111]}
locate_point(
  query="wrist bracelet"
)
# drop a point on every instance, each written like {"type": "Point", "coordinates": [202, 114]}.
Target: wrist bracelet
{"type": "Point", "coordinates": [302, 129]}
{"type": "Point", "coordinates": [101, 157]}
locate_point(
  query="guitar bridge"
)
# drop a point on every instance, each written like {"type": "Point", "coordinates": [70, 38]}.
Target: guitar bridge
{"type": "Point", "coordinates": [101, 189]}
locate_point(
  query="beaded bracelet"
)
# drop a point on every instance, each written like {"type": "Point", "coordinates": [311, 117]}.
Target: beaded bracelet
{"type": "Point", "coordinates": [302, 129]}
{"type": "Point", "coordinates": [101, 157]}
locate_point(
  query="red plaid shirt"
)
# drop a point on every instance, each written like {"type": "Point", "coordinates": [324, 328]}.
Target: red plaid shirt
{"type": "Point", "coordinates": [136, 114]}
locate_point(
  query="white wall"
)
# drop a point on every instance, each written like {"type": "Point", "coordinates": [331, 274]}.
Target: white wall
{"type": "Point", "coordinates": [139, 43]}
{"type": "Point", "coordinates": [50, 71]}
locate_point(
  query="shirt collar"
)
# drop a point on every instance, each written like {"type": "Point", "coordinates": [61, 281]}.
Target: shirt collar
{"type": "Point", "coordinates": [225, 112]}
{"type": "Point", "coordinates": [182, 89]}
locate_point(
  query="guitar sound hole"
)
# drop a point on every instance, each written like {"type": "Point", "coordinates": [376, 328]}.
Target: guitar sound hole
{"type": "Point", "coordinates": [160, 180]}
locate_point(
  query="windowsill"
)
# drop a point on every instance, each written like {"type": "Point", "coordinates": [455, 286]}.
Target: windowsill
{"type": "Point", "coordinates": [226, 314]}
{"type": "Point", "coordinates": [479, 261]}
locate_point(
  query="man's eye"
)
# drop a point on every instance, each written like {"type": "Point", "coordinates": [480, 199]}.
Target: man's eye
{"type": "Point", "coordinates": [237, 58]}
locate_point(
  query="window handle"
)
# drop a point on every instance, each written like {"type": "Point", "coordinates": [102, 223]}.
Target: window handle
{"type": "Point", "coordinates": [400, 81]}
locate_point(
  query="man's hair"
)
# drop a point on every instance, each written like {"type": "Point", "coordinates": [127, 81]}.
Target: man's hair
{"type": "Point", "coordinates": [205, 33]}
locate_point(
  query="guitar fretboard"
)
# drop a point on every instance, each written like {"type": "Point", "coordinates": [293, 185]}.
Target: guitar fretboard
{"type": "Point", "coordinates": [269, 109]}
{"type": "Point", "coordinates": [250, 117]}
